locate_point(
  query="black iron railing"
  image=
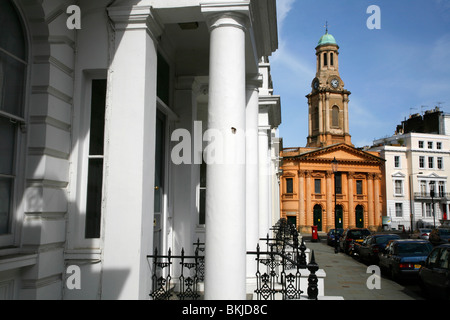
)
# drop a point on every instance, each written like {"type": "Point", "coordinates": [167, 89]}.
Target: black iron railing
{"type": "Point", "coordinates": [278, 268]}
{"type": "Point", "coordinates": [191, 270]}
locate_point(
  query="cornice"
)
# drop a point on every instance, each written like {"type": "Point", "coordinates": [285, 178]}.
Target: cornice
{"type": "Point", "coordinates": [135, 18]}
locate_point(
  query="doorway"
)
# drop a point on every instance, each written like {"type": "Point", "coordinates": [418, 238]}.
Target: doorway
{"type": "Point", "coordinates": [292, 220]}
{"type": "Point", "coordinates": [318, 217]}
{"type": "Point", "coordinates": [359, 215]}
{"type": "Point", "coordinates": [339, 217]}
{"type": "Point", "coordinates": [159, 180]}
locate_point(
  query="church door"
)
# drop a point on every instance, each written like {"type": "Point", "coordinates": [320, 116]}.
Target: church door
{"type": "Point", "coordinates": [339, 217]}
{"type": "Point", "coordinates": [359, 215]}
{"type": "Point", "coordinates": [318, 217]}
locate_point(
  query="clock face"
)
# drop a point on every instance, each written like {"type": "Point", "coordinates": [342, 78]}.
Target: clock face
{"type": "Point", "coordinates": [335, 83]}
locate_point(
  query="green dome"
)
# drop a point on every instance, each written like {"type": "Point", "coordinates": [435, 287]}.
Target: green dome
{"type": "Point", "coordinates": [327, 39]}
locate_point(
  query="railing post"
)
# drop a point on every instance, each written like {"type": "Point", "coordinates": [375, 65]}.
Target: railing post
{"type": "Point", "coordinates": [313, 290]}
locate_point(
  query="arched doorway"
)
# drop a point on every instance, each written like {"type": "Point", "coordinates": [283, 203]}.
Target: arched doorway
{"type": "Point", "coordinates": [339, 217]}
{"type": "Point", "coordinates": [318, 217]}
{"type": "Point", "coordinates": [359, 216]}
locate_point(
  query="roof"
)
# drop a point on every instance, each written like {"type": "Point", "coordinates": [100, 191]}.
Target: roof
{"type": "Point", "coordinates": [327, 39]}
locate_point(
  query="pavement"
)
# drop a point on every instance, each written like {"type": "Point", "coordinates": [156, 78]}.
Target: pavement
{"type": "Point", "coordinates": [347, 277]}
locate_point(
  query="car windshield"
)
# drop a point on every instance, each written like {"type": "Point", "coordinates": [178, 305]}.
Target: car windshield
{"type": "Point", "coordinates": [444, 232]}
{"type": "Point", "coordinates": [358, 234]}
{"type": "Point", "coordinates": [425, 230]}
{"type": "Point", "coordinates": [384, 239]}
{"type": "Point", "coordinates": [412, 249]}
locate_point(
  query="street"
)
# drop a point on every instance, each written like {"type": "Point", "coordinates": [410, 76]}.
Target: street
{"type": "Point", "coordinates": [347, 277]}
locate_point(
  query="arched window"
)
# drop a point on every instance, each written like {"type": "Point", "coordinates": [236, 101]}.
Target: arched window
{"type": "Point", "coordinates": [13, 66]}
{"type": "Point", "coordinates": [335, 116]}
{"type": "Point", "coordinates": [331, 59]}
{"type": "Point", "coordinates": [325, 59]}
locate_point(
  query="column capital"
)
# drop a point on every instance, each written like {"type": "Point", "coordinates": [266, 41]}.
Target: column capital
{"type": "Point", "coordinates": [135, 18]}
{"type": "Point", "coordinates": [226, 13]}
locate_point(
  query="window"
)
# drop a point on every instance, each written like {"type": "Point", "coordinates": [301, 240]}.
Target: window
{"type": "Point", "coordinates": [421, 162]}
{"type": "Point", "coordinates": [96, 156]}
{"type": "Point", "coordinates": [335, 116]}
{"type": "Point", "coordinates": [359, 187]}
{"type": "Point", "coordinates": [289, 185]}
{"type": "Point", "coordinates": [325, 60]}
{"type": "Point", "coordinates": [444, 259]}
{"type": "Point", "coordinates": [439, 145]}
{"type": "Point", "coordinates": [430, 162]}
{"type": "Point", "coordinates": [441, 188]}
{"type": "Point", "coordinates": [428, 210]}
{"type": "Point", "coordinates": [13, 67]}
{"type": "Point", "coordinates": [440, 163]}
{"type": "Point", "coordinates": [331, 59]}
{"type": "Point", "coordinates": [421, 144]}
{"type": "Point", "coordinates": [202, 195]}
{"type": "Point", "coordinates": [338, 185]}
{"type": "Point", "coordinates": [317, 186]}
{"type": "Point", "coordinates": [430, 144]}
{"type": "Point", "coordinates": [398, 210]}
{"type": "Point", "coordinates": [163, 81]}
{"type": "Point", "coordinates": [397, 161]}
{"type": "Point", "coordinates": [398, 187]}
{"type": "Point", "coordinates": [423, 187]}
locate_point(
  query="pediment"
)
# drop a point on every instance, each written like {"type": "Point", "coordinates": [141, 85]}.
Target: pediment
{"type": "Point", "coordinates": [342, 152]}
{"type": "Point", "coordinates": [398, 174]}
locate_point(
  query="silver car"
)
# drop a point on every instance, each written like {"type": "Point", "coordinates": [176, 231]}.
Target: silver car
{"type": "Point", "coordinates": [421, 233]}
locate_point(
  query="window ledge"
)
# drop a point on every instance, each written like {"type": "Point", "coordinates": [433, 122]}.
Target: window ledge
{"type": "Point", "coordinates": [17, 260]}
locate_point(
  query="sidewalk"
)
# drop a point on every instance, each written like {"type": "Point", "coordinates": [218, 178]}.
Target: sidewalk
{"type": "Point", "coordinates": [347, 277]}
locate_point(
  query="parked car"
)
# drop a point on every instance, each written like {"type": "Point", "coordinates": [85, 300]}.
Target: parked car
{"type": "Point", "coordinates": [352, 235]}
{"type": "Point", "coordinates": [435, 273]}
{"type": "Point", "coordinates": [439, 236]}
{"type": "Point", "coordinates": [372, 245]}
{"type": "Point", "coordinates": [421, 233]}
{"type": "Point", "coordinates": [403, 258]}
{"type": "Point", "coordinates": [331, 237]}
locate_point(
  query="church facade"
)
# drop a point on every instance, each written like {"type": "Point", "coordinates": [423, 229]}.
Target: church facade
{"type": "Point", "coordinates": [331, 183]}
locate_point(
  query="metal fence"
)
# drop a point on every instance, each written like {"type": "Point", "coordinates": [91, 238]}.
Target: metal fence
{"type": "Point", "coordinates": [278, 274]}
{"type": "Point", "coordinates": [279, 268]}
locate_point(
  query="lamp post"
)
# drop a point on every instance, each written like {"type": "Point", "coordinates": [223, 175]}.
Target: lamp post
{"type": "Point", "coordinates": [432, 202]}
{"type": "Point", "coordinates": [334, 168]}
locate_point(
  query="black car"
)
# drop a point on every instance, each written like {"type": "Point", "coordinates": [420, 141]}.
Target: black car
{"type": "Point", "coordinates": [352, 235]}
{"type": "Point", "coordinates": [435, 273]}
{"type": "Point", "coordinates": [404, 257]}
{"type": "Point", "coordinates": [331, 236]}
{"type": "Point", "coordinates": [439, 236]}
{"type": "Point", "coordinates": [370, 248]}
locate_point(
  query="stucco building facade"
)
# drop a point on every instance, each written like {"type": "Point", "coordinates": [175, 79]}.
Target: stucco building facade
{"type": "Point", "coordinates": [105, 108]}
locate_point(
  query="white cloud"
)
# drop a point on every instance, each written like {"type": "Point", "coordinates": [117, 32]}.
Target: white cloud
{"type": "Point", "coordinates": [283, 8]}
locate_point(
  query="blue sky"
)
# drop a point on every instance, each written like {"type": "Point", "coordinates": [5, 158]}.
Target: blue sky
{"type": "Point", "coordinates": [400, 69]}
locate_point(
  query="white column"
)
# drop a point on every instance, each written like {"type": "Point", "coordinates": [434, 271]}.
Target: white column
{"type": "Point", "coordinates": [130, 157]}
{"type": "Point", "coordinates": [264, 169]}
{"type": "Point", "coordinates": [252, 172]}
{"type": "Point", "coordinates": [225, 247]}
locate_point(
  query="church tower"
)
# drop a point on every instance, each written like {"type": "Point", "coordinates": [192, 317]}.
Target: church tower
{"type": "Point", "coordinates": [328, 100]}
